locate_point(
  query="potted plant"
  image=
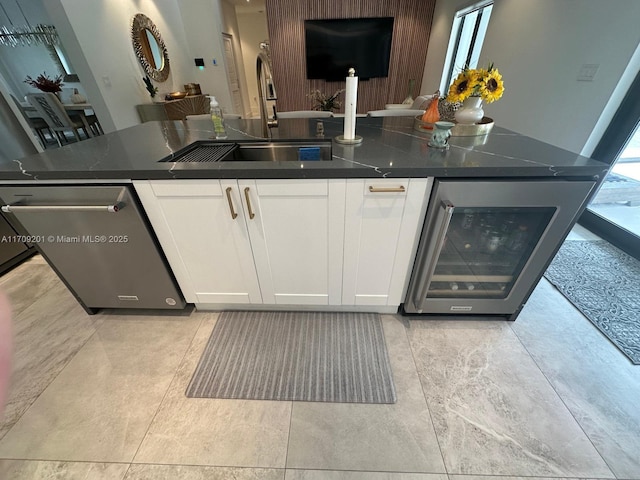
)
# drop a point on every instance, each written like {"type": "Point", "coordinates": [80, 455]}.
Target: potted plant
{"type": "Point", "coordinates": [325, 103]}
{"type": "Point", "coordinates": [151, 88]}
{"type": "Point", "coordinates": [45, 83]}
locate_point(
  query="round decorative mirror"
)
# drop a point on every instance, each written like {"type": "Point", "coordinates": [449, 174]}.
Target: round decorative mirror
{"type": "Point", "coordinates": [149, 48]}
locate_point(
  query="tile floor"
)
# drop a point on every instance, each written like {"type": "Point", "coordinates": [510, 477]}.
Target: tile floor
{"type": "Point", "coordinates": [102, 397]}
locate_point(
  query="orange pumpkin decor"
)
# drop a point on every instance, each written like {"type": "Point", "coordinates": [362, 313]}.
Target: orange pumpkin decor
{"type": "Point", "coordinates": [431, 114]}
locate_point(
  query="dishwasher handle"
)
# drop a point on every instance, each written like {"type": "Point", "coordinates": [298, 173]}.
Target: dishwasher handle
{"type": "Point", "coordinates": [115, 208]}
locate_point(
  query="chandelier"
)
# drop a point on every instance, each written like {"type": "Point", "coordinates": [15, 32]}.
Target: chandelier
{"type": "Point", "coordinates": [27, 35]}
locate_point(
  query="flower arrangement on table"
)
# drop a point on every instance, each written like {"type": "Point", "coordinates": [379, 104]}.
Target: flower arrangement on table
{"type": "Point", "coordinates": [45, 83]}
{"type": "Point", "coordinates": [477, 82]}
{"type": "Point", "coordinates": [471, 87]}
{"type": "Point", "coordinates": [325, 103]}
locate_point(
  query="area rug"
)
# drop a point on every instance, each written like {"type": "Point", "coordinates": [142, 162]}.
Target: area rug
{"type": "Point", "coordinates": [603, 282]}
{"type": "Point", "coordinates": [306, 356]}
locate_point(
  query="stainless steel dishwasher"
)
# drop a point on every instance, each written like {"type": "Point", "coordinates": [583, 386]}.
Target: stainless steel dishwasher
{"type": "Point", "coordinates": [98, 240]}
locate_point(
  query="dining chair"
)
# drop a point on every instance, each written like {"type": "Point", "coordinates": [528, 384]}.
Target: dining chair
{"type": "Point", "coordinates": [305, 114]}
{"type": "Point", "coordinates": [37, 124]}
{"type": "Point", "coordinates": [395, 112]}
{"type": "Point", "coordinates": [51, 110]}
{"type": "Point", "coordinates": [91, 119]}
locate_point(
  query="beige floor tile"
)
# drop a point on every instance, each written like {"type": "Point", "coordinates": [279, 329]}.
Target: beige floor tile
{"type": "Point", "coordinates": [398, 437]}
{"type": "Point", "coordinates": [580, 233]}
{"type": "Point", "coordinates": [27, 282]}
{"type": "Point", "coordinates": [595, 380]}
{"type": "Point", "coordinates": [347, 475]}
{"type": "Point", "coordinates": [49, 327]}
{"type": "Point", "coordinates": [191, 472]}
{"type": "Point", "coordinates": [493, 410]}
{"type": "Point", "coordinates": [491, 477]}
{"type": "Point", "coordinates": [41, 470]}
{"type": "Point", "coordinates": [100, 406]}
{"type": "Point", "coordinates": [203, 431]}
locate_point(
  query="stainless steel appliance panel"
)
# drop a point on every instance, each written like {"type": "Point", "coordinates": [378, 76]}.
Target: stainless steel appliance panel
{"type": "Point", "coordinates": [98, 240]}
{"type": "Point", "coordinates": [484, 244]}
{"type": "Point", "coordinates": [13, 250]}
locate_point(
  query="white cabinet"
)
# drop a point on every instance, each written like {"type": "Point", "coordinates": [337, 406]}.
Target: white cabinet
{"type": "Point", "coordinates": [382, 224]}
{"type": "Point", "coordinates": [297, 238]}
{"type": "Point", "coordinates": [201, 227]}
{"type": "Point", "coordinates": [251, 241]}
{"type": "Point", "coordinates": [335, 243]}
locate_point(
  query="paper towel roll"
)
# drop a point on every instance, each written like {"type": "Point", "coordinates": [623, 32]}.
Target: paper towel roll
{"type": "Point", "coordinates": [350, 103]}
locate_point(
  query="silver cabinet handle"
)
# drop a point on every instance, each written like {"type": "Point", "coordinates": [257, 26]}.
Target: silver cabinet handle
{"type": "Point", "coordinates": [441, 227]}
{"type": "Point", "coordinates": [62, 208]}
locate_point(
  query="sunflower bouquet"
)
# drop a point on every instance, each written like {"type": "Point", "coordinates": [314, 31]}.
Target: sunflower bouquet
{"type": "Point", "coordinates": [477, 82]}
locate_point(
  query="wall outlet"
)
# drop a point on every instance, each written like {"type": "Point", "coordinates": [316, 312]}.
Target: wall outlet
{"type": "Point", "coordinates": [587, 72]}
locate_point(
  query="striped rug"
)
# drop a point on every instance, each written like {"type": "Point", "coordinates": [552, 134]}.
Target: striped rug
{"type": "Point", "coordinates": [306, 356]}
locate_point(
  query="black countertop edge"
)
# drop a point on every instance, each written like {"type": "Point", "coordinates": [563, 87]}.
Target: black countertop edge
{"type": "Point", "coordinates": [265, 174]}
{"type": "Point", "coordinates": [391, 149]}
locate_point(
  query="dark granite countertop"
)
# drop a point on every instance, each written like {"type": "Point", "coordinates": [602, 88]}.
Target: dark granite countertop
{"type": "Point", "coordinates": [391, 148]}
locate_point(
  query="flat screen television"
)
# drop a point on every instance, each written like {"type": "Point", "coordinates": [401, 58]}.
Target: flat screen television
{"type": "Point", "coordinates": [333, 46]}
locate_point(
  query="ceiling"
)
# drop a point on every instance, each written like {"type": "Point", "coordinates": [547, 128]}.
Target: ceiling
{"type": "Point", "coordinates": [247, 6]}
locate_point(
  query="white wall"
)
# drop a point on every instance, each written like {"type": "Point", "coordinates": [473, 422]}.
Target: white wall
{"type": "Point", "coordinates": [203, 27]}
{"type": "Point", "coordinates": [253, 30]}
{"type": "Point", "coordinates": [231, 27]}
{"type": "Point", "coordinates": [97, 37]}
{"type": "Point", "coordinates": [18, 62]}
{"type": "Point", "coordinates": [539, 47]}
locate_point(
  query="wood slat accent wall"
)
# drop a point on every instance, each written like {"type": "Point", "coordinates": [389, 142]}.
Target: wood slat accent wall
{"type": "Point", "coordinates": [412, 24]}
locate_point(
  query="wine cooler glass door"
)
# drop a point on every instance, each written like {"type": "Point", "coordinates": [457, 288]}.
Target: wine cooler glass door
{"type": "Point", "coordinates": [485, 244]}
{"type": "Point", "coordinates": [485, 250]}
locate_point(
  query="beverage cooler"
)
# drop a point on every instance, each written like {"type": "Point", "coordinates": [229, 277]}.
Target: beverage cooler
{"type": "Point", "coordinates": [485, 244]}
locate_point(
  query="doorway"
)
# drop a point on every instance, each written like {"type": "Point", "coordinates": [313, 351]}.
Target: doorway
{"type": "Point", "coordinates": [614, 212]}
{"type": "Point", "coordinates": [232, 73]}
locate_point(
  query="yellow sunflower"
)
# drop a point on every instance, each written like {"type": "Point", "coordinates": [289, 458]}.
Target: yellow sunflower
{"type": "Point", "coordinates": [492, 87]}
{"type": "Point", "coordinates": [461, 87]}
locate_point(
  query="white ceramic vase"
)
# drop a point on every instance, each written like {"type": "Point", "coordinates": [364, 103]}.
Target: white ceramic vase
{"type": "Point", "coordinates": [471, 111]}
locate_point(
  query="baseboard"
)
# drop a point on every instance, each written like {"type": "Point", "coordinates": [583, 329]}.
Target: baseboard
{"type": "Point", "coordinates": [386, 309]}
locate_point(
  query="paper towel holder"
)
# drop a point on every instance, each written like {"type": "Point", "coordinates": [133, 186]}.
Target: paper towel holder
{"type": "Point", "coordinates": [357, 139]}
{"type": "Point", "coordinates": [354, 141]}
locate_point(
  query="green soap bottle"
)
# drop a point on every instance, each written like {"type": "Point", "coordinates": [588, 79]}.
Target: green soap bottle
{"type": "Point", "coordinates": [217, 119]}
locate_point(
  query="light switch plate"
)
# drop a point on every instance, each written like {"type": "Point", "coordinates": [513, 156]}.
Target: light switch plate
{"type": "Point", "coordinates": [587, 72]}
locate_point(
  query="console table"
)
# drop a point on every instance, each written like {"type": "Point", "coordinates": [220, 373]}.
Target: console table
{"type": "Point", "coordinates": [173, 109]}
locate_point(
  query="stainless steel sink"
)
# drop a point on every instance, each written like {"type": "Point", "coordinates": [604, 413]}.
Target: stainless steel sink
{"type": "Point", "coordinates": [255, 151]}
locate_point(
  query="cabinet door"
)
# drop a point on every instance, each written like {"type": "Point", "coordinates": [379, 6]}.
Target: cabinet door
{"type": "Point", "coordinates": [297, 238]}
{"type": "Point", "coordinates": [383, 219]}
{"type": "Point", "coordinates": [207, 248]}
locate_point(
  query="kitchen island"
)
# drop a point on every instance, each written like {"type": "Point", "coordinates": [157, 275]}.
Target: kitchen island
{"type": "Point", "coordinates": [391, 148]}
{"type": "Point", "coordinates": [339, 234]}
